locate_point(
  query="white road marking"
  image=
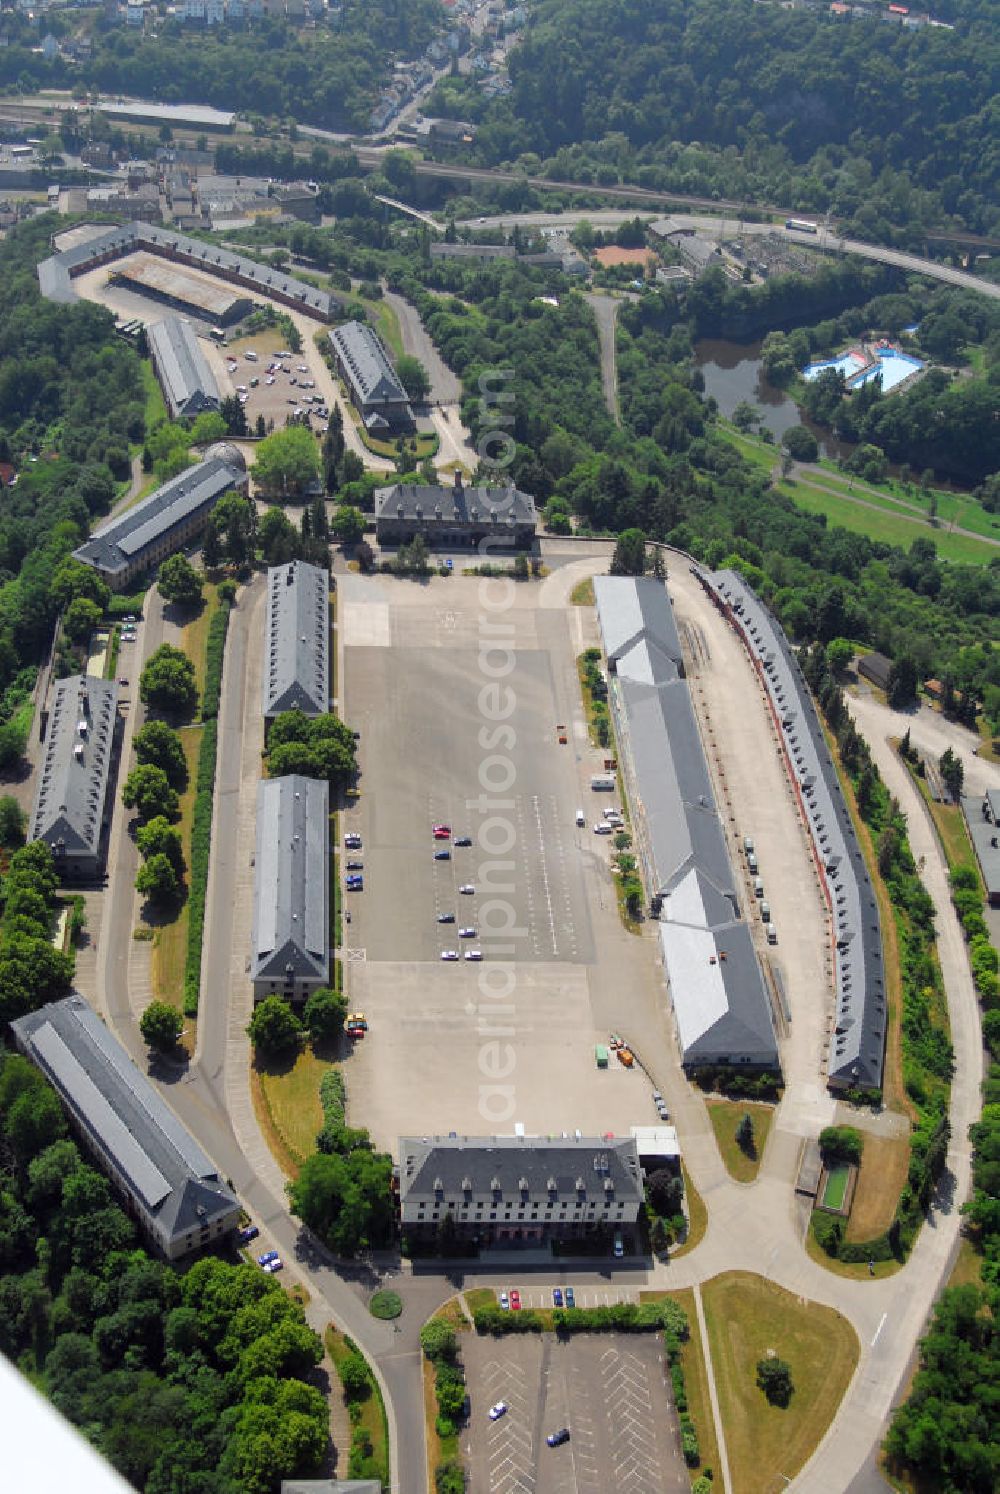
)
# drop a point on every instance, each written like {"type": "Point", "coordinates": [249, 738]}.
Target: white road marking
{"type": "Point", "coordinates": [545, 874]}
{"type": "Point", "coordinates": [878, 1330]}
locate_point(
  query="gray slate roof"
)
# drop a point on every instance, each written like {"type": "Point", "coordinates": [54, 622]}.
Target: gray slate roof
{"type": "Point", "coordinates": [858, 1046]}
{"type": "Point", "coordinates": [457, 505]}
{"type": "Point", "coordinates": [188, 383]}
{"type": "Point", "coordinates": [297, 640]}
{"type": "Point", "coordinates": [124, 1116]}
{"type": "Point", "coordinates": [505, 1160]}
{"type": "Point", "coordinates": [55, 274]}
{"type": "Point", "coordinates": [721, 1006]}
{"type": "Point", "coordinates": [291, 925]}
{"type": "Point", "coordinates": [116, 545]}
{"type": "Point", "coordinates": [72, 786]}
{"type": "Point", "coordinates": [371, 371]}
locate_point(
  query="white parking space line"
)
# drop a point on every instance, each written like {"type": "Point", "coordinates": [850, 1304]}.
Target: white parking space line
{"type": "Point", "coordinates": [536, 806]}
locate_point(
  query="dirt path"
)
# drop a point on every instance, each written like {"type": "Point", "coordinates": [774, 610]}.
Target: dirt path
{"type": "Point", "coordinates": [606, 312]}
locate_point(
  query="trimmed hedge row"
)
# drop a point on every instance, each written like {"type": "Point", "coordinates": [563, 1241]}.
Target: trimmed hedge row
{"type": "Point", "coordinates": [201, 826]}
{"type": "Point", "coordinates": [619, 1317]}
{"type": "Point", "coordinates": [215, 649]}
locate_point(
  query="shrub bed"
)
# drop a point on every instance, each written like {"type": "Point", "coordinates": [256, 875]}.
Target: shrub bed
{"type": "Point", "coordinates": [201, 824]}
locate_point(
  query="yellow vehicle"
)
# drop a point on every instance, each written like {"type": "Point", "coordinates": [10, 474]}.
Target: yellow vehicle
{"type": "Point", "coordinates": [352, 793]}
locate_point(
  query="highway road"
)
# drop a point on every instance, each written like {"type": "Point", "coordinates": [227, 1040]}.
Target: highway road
{"type": "Point", "coordinates": [721, 227]}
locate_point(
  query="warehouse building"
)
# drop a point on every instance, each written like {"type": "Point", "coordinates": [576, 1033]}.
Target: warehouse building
{"type": "Point", "coordinates": [56, 274]}
{"type": "Point", "coordinates": [722, 1011]}
{"type": "Point", "coordinates": [70, 806]}
{"type": "Point", "coordinates": [187, 382]}
{"type": "Point", "coordinates": [291, 924]}
{"type": "Point", "coordinates": [857, 1043]}
{"type": "Point", "coordinates": [168, 1184]}
{"type": "Point", "coordinates": [173, 516]}
{"type": "Point", "coordinates": [519, 1190]}
{"type": "Point", "coordinates": [456, 517]}
{"type": "Point", "coordinates": [372, 382]}
{"type": "Point", "coordinates": [297, 640]}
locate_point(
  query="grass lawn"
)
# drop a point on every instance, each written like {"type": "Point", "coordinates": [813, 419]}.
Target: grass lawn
{"type": "Point", "coordinates": [156, 410]}
{"type": "Point", "coordinates": [195, 637]}
{"type": "Point", "coordinates": [697, 1217]}
{"type": "Point", "coordinates": [747, 1317]}
{"type": "Point", "coordinates": [949, 822]}
{"type": "Point", "coordinates": [582, 594]}
{"type": "Point", "coordinates": [884, 1164]}
{"type": "Point", "coordinates": [879, 523]}
{"type": "Point", "coordinates": [170, 939]}
{"type": "Point", "coordinates": [286, 1098]}
{"type": "Point", "coordinates": [853, 1270]}
{"type": "Point", "coordinates": [450, 1312]}
{"type": "Point", "coordinates": [695, 1378]}
{"type": "Point", "coordinates": [373, 1418]}
{"type": "Point", "coordinates": [477, 1297]}
{"type": "Point", "coordinates": [725, 1116]}
{"type": "Point", "coordinates": [835, 1190]}
{"type": "Point", "coordinates": [967, 1270]}
{"type": "Point", "coordinates": [386, 323]}
{"type": "Point", "coordinates": [885, 519]}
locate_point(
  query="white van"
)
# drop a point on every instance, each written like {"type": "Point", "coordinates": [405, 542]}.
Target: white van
{"type": "Point", "coordinates": [250, 355]}
{"type": "Point", "coordinates": [758, 887]}
{"type": "Point", "coordinates": [765, 912]}
{"type": "Point", "coordinates": [772, 933]}
{"type": "Point", "coordinates": [581, 818]}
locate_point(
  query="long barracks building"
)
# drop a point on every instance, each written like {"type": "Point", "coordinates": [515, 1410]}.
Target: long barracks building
{"type": "Point", "coordinates": [173, 516]}
{"type": "Point", "coordinates": [296, 673]}
{"type": "Point", "coordinates": [188, 383]}
{"type": "Point", "coordinates": [168, 1183]}
{"type": "Point", "coordinates": [56, 274]}
{"type": "Point", "coordinates": [857, 1041]}
{"type": "Point", "coordinates": [721, 1007]}
{"type": "Point", "coordinates": [71, 797]}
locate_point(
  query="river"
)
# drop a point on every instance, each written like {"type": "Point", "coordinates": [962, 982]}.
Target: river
{"type": "Point", "coordinates": [733, 372]}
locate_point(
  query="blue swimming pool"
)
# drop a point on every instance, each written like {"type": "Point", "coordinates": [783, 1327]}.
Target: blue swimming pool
{"type": "Point", "coordinates": [894, 368]}
{"type": "Point", "coordinates": [848, 364]}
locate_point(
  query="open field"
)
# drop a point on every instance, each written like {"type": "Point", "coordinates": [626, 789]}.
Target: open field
{"type": "Point", "coordinates": [725, 1116]}
{"type": "Point", "coordinates": [880, 524]}
{"type": "Point", "coordinates": [748, 1318]}
{"type": "Point", "coordinates": [883, 513]}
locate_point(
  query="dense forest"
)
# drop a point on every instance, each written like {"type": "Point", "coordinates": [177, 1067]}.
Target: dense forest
{"type": "Point", "coordinates": [189, 1384]}
{"type": "Point", "coordinates": [330, 76]}
{"type": "Point", "coordinates": [881, 125]}
{"type": "Point", "coordinates": [71, 401]}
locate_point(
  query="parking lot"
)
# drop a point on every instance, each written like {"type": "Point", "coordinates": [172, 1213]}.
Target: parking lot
{"type": "Point", "coordinates": [612, 1393]}
{"type": "Point", "coordinates": [294, 385]}
{"type": "Point", "coordinates": [557, 969]}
